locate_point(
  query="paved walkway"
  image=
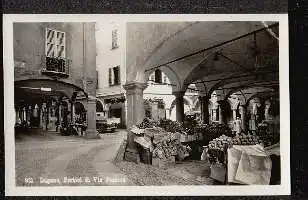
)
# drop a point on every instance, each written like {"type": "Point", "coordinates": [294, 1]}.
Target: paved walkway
{"type": "Point", "coordinates": [49, 159]}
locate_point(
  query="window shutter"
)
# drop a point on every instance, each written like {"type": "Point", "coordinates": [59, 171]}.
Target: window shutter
{"type": "Point", "coordinates": [119, 75]}
{"type": "Point", "coordinates": [110, 76]}
{"type": "Point", "coordinates": [116, 72]}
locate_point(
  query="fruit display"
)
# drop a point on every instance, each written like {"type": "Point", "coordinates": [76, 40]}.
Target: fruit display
{"type": "Point", "coordinates": [249, 139]}
{"type": "Point", "coordinates": [164, 138]}
{"type": "Point", "coordinates": [190, 124]}
{"type": "Point", "coordinates": [169, 145]}
{"type": "Point", "coordinates": [165, 149]}
{"type": "Point", "coordinates": [221, 143]}
{"type": "Point", "coordinates": [171, 126]}
{"type": "Point", "coordinates": [209, 132]}
{"type": "Point", "coordinates": [147, 123]}
{"type": "Point", "coordinates": [266, 134]}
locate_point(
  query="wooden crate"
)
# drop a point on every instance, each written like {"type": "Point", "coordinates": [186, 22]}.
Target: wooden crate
{"type": "Point", "coordinates": [218, 172]}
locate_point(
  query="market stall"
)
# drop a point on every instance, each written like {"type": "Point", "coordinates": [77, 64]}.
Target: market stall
{"type": "Point", "coordinates": [244, 159]}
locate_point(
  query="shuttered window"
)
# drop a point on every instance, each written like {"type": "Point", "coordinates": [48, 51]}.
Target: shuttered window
{"type": "Point", "coordinates": [54, 43]}
{"type": "Point", "coordinates": [114, 76]}
{"type": "Point", "coordinates": [110, 76]}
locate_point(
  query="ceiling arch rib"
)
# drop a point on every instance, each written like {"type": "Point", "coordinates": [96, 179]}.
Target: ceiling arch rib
{"type": "Point", "coordinates": [185, 42]}
{"type": "Point", "coordinates": [233, 82]}
{"type": "Point", "coordinates": [246, 93]}
{"type": "Point", "coordinates": [262, 95]}
{"type": "Point", "coordinates": [237, 60]}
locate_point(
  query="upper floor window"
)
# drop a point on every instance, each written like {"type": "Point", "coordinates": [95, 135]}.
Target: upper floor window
{"type": "Point", "coordinates": [158, 76]}
{"type": "Point", "coordinates": [55, 43]}
{"type": "Point", "coordinates": [115, 39]}
{"type": "Point", "coordinates": [114, 76]}
{"type": "Point", "coordinates": [55, 52]}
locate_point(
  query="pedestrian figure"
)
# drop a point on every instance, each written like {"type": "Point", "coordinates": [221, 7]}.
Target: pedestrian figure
{"type": "Point", "coordinates": [237, 126]}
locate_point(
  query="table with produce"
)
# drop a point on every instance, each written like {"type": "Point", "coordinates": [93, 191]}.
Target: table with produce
{"type": "Point", "coordinates": [159, 142]}
{"type": "Point", "coordinates": [242, 159]}
{"type": "Point", "coordinates": [245, 158]}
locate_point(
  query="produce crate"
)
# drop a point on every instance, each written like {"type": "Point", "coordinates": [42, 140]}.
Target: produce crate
{"type": "Point", "coordinates": [219, 172]}
{"type": "Point", "coordinates": [145, 156]}
{"type": "Point", "coordinates": [157, 162]}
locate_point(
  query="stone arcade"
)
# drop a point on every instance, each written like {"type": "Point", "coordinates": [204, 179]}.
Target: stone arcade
{"type": "Point", "coordinates": [233, 65]}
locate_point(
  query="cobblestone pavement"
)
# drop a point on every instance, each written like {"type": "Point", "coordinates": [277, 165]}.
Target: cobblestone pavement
{"type": "Point", "coordinates": [184, 173]}
{"type": "Point", "coordinates": [49, 159]}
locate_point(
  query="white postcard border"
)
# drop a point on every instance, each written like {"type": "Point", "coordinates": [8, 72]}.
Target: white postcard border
{"type": "Point", "coordinates": [12, 190]}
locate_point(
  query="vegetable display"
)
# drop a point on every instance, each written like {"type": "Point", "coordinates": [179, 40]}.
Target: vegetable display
{"type": "Point", "coordinates": [147, 123]}
{"type": "Point", "coordinates": [221, 143]}
{"type": "Point", "coordinates": [243, 139]}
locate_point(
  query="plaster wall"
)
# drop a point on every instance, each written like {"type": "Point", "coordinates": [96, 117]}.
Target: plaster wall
{"type": "Point", "coordinates": [108, 57]}
{"type": "Point", "coordinates": [29, 51]}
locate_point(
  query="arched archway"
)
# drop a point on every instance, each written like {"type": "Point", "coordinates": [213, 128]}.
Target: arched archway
{"type": "Point", "coordinates": [187, 108]}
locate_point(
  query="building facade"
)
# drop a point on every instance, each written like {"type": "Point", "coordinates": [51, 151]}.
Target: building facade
{"type": "Point", "coordinates": [111, 70]}
{"type": "Point", "coordinates": [55, 75]}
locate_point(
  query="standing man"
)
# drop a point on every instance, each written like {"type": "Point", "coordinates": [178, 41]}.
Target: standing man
{"type": "Point", "coordinates": [237, 126]}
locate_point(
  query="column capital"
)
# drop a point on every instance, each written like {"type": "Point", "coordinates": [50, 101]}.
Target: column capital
{"type": "Point", "coordinates": [91, 99]}
{"type": "Point", "coordinates": [135, 85]}
{"type": "Point", "coordinates": [178, 93]}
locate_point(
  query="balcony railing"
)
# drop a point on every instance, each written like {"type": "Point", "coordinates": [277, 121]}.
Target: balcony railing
{"type": "Point", "coordinates": [56, 66]}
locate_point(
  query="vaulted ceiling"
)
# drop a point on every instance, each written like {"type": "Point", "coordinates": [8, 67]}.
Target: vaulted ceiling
{"type": "Point", "coordinates": [231, 54]}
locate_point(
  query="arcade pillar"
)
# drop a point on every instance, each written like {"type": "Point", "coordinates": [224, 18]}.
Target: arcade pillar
{"type": "Point", "coordinates": [220, 113]}
{"type": "Point", "coordinates": [91, 118]}
{"type": "Point", "coordinates": [135, 115]}
{"type": "Point", "coordinates": [204, 104]}
{"type": "Point", "coordinates": [179, 100]}
{"type": "Point", "coordinates": [242, 111]}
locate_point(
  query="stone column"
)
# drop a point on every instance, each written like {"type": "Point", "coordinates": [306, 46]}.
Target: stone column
{"type": "Point", "coordinates": [167, 113]}
{"type": "Point", "coordinates": [59, 117]}
{"type": "Point", "coordinates": [234, 114]}
{"type": "Point", "coordinates": [24, 114]}
{"type": "Point", "coordinates": [243, 116]}
{"type": "Point", "coordinates": [179, 100]}
{"type": "Point", "coordinates": [135, 115]}
{"type": "Point", "coordinates": [220, 113]}
{"type": "Point", "coordinates": [72, 112]}
{"type": "Point", "coordinates": [41, 125]}
{"type": "Point", "coordinates": [123, 114]}
{"type": "Point", "coordinates": [91, 118]}
{"type": "Point", "coordinates": [135, 107]}
{"type": "Point", "coordinates": [204, 105]}
{"type": "Point", "coordinates": [266, 110]}
{"type": "Point", "coordinates": [154, 106]}
{"type": "Point", "coordinates": [29, 113]}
